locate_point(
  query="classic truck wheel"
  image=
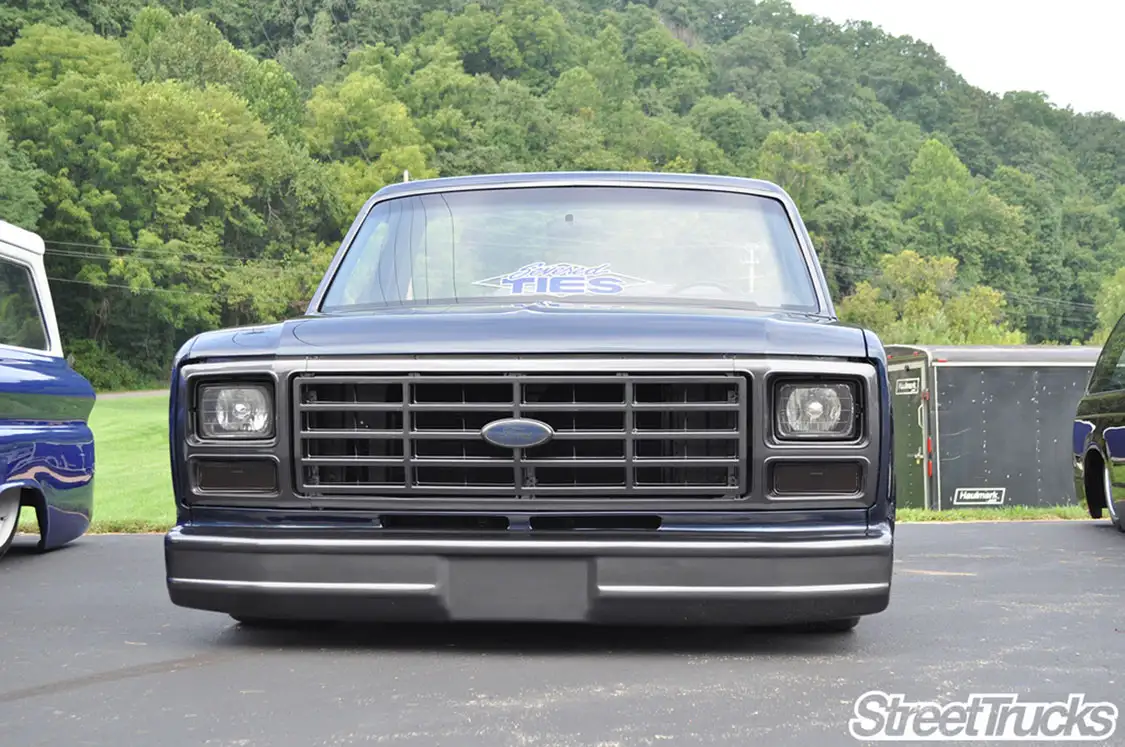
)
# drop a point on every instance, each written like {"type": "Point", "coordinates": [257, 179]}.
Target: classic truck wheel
{"type": "Point", "coordinates": [9, 519]}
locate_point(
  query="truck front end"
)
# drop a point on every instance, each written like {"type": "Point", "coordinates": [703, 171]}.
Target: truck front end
{"type": "Point", "coordinates": [589, 424]}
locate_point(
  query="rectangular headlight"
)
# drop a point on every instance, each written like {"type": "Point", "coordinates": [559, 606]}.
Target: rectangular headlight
{"type": "Point", "coordinates": [817, 411]}
{"type": "Point", "coordinates": [236, 411]}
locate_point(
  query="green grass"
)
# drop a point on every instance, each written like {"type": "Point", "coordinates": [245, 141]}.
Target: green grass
{"type": "Point", "coordinates": [1000, 513]}
{"type": "Point", "coordinates": [133, 487]}
{"type": "Point", "coordinates": [132, 481]}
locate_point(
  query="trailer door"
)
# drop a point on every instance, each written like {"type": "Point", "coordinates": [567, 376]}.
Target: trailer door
{"type": "Point", "coordinates": [911, 447]}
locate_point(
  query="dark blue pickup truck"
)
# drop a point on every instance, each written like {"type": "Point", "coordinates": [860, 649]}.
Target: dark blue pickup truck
{"type": "Point", "coordinates": [46, 446]}
{"type": "Point", "coordinates": [598, 397]}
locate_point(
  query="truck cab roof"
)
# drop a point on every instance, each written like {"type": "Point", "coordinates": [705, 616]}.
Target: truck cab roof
{"type": "Point", "coordinates": [18, 243]}
{"type": "Point", "coordinates": [22, 247]}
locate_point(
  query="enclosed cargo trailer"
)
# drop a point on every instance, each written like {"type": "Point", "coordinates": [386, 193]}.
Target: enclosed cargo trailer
{"type": "Point", "coordinates": [985, 425]}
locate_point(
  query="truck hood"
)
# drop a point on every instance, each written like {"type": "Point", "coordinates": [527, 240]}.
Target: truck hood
{"type": "Point", "coordinates": [537, 329]}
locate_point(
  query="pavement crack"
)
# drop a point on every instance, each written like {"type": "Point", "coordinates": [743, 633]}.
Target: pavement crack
{"type": "Point", "coordinates": [116, 675]}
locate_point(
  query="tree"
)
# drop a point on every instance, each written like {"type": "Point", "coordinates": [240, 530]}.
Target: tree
{"type": "Point", "coordinates": [798, 162]}
{"type": "Point", "coordinates": [191, 49]}
{"type": "Point", "coordinates": [1110, 306]}
{"type": "Point", "coordinates": [915, 300]}
{"type": "Point", "coordinates": [19, 183]}
{"type": "Point", "coordinates": [193, 164]}
{"type": "Point", "coordinates": [366, 134]}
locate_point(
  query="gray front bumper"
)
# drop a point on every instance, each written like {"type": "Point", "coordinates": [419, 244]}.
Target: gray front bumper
{"type": "Point", "coordinates": [633, 581]}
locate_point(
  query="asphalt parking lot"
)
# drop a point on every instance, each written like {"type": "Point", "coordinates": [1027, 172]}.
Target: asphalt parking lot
{"type": "Point", "coordinates": [92, 653]}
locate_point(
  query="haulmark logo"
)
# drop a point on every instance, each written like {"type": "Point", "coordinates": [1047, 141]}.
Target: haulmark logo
{"type": "Point", "coordinates": [979, 496]}
{"type": "Point", "coordinates": [907, 386]}
{"type": "Point", "coordinates": [886, 717]}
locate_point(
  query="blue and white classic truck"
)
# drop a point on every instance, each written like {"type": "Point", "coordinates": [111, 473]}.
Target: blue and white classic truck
{"type": "Point", "coordinates": [46, 446]}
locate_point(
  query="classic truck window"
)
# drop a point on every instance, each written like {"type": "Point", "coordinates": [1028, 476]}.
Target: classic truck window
{"type": "Point", "coordinates": [609, 244]}
{"type": "Point", "coordinates": [21, 323]}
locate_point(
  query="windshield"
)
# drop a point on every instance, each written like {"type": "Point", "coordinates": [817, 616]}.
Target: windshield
{"type": "Point", "coordinates": [590, 244]}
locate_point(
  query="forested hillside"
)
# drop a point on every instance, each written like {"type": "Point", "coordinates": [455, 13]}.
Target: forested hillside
{"type": "Point", "coordinates": [194, 163]}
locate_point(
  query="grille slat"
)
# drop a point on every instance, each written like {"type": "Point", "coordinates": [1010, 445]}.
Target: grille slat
{"type": "Point", "coordinates": [620, 435]}
{"type": "Point", "coordinates": [559, 435]}
{"type": "Point", "coordinates": [543, 406]}
{"type": "Point", "coordinates": [559, 462]}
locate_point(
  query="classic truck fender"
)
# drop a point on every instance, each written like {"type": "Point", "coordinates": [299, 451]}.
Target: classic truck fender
{"type": "Point", "coordinates": [883, 511]}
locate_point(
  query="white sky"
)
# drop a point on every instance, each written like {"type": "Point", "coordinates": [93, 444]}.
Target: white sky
{"type": "Point", "coordinates": [1073, 51]}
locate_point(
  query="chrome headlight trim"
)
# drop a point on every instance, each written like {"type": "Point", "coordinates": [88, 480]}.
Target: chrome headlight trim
{"type": "Point", "coordinates": [831, 400]}
{"type": "Point", "coordinates": [258, 405]}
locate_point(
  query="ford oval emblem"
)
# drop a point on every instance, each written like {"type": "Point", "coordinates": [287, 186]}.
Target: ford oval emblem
{"type": "Point", "coordinates": [517, 433]}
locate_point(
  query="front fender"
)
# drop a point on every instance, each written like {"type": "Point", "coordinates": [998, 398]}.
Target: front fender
{"type": "Point", "coordinates": [883, 510]}
{"type": "Point", "coordinates": [46, 444]}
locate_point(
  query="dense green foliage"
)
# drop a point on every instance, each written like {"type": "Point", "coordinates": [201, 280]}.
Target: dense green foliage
{"type": "Point", "coordinates": [194, 163]}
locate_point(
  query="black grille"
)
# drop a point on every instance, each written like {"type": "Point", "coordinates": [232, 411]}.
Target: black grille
{"type": "Point", "coordinates": [641, 436]}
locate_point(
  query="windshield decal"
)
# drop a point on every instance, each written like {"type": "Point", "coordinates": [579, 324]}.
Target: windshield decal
{"type": "Point", "coordinates": [562, 279]}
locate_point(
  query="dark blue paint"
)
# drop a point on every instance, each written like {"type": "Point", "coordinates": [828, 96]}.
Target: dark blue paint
{"type": "Point", "coordinates": [883, 510]}
{"type": "Point", "coordinates": [177, 423]}
{"type": "Point", "coordinates": [1083, 432]}
{"type": "Point", "coordinates": [1114, 442]}
{"type": "Point", "coordinates": [46, 445]}
{"type": "Point", "coordinates": [512, 327]}
{"type": "Point", "coordinates": [246, 522]}
{"type": "Point", "coordinates": [548, 178]}
{"type": "Point", "coordinates": [530, 328]}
